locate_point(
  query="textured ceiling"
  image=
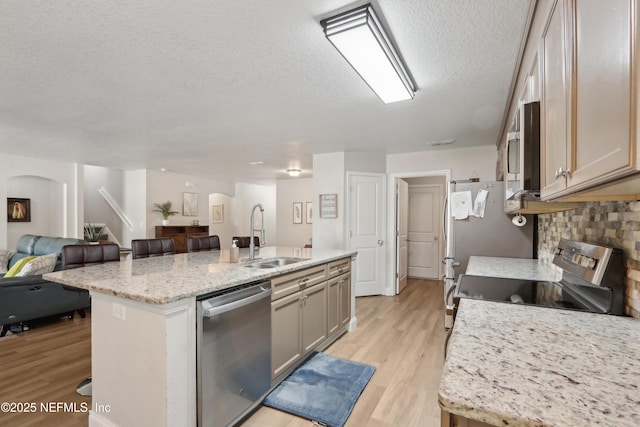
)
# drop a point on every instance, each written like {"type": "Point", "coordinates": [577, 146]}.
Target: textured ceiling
{"type": "Point", "coordinates": [202, 87]}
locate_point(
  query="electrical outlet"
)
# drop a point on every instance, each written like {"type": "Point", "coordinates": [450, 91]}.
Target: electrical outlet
{"type": "Point", "coordinates": [119, 311]}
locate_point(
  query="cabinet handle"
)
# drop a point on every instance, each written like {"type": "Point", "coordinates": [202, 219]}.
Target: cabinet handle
{"type": "Point", "coordinates": [561, 172]}
{"type": "Point", "coordinates": [303, 281]}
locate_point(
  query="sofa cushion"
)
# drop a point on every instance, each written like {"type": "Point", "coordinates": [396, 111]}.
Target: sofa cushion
{"type": "Point", "coordinates": [5, 256]}
{"type": "Point", "coordinates": [17, 266]}
{"type": "Point", "coordinates": [26, 244]}
{"type": "Point", "coordinates": [39, 265]}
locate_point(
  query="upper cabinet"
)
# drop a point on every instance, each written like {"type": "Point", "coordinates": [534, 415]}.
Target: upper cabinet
{"type": "Point", "coordinates": [588, 100]}
{"type": "Point", "coordinates": [555, 106]}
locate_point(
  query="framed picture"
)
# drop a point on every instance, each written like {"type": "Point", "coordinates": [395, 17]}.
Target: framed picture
{"type": "Point", "coordinates": [190, 204]}
{"type": "Point", "coordinates": [328, 206]}
{"type": "Point", "coordinates": [18, 210]}
{"type": "Point", "coordinates": [217, 214]}
{"type": "Point", "coordinates": [297, 212]}
{"type": "Point", "coordinates": [309, 209]}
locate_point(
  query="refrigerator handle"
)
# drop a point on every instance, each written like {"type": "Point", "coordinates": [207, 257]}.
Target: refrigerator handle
{"type": "Point", "coordinates": [444, 220]}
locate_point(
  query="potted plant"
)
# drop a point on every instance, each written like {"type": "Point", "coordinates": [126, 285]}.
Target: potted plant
{"type": "Point", "coordinates": [93, 233]}
{"type": "Point", "coordinates": [165, 211]}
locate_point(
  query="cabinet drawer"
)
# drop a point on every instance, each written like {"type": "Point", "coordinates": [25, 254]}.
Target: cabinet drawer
{"type": "Point", "coordinates": [339, 267]}
{"type": "Point", "coordinates": [293, 282]}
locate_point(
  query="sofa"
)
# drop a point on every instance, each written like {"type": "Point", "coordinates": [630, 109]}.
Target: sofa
{"type": "Point", "coordinates": [31, 297]}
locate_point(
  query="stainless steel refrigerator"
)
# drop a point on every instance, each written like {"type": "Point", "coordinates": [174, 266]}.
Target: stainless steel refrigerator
{"type": "Point", "coordinates": [492, 235]}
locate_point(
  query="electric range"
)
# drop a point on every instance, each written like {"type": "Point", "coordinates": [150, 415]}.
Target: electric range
{"type": "Point", "coordinates": [592, 281]}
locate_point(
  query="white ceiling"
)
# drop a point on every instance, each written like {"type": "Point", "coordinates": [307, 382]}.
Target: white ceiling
{"type": "Point", "coordinates": [202, 87]}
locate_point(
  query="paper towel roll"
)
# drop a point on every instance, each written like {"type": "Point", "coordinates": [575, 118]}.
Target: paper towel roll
{"type": "Point", "coordinates": [519, 220]}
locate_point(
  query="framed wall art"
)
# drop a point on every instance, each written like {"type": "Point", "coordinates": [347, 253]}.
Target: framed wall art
{"type": "Point", "coordinates": [217, 214]}
{"type": "Point", "coordinates": [297, 212]}
{"type": "Point", "coordinates": [190, 204]}
{"type": "Point", "coordinates": [309, 211]}
{"type": "Point", "coordinates": [18, 210]}
{"type": "Point", "coordinates": [328, 206]}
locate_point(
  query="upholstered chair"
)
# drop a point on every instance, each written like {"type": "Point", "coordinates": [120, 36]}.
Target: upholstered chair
{"type": "Point", "coordinates": [146, 248]}
{"type": "Point", "coordinates": [206, 243]}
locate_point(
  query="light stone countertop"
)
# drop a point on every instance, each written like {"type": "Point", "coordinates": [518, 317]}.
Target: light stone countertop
{"type": "Point", "coordinates": [517, 365]}
{"type": "Point", "coordinates": [514, 268]}
{"type": "Point", "coordinates": [161, 280]}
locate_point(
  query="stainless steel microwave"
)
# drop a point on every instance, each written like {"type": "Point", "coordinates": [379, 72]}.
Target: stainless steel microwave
{"type": "Point", "coordinates": [522, 157]}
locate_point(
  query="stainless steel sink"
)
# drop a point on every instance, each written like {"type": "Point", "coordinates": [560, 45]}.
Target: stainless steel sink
{"type": "Point", "coordinates": [275, 262]}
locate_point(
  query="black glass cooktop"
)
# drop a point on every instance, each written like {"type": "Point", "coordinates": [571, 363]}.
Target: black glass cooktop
{"type": "Point", "coordinates": [517, 291]}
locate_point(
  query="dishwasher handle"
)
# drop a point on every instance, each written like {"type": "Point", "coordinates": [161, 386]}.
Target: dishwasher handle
{"type": "Point", "coordinates": [214, 311]}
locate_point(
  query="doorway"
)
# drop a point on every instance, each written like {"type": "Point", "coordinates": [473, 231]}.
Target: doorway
{"type": "Point", "coordinates": [425, 231]}
{"type": "Point", "coordinates": [425, 226]}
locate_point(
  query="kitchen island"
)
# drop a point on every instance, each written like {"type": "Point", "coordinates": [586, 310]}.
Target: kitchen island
{"type": "Point", "coordinates": [511, 364]}
{"type": "Point", "coordinates": [143, 327]}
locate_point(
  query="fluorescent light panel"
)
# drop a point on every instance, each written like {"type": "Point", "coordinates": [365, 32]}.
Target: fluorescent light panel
{"type": "Point", "coordinates": [359, 37]}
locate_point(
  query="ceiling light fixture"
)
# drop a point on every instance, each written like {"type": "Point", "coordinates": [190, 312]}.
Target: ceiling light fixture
{"type": "Point", "coordinates": [362, 41]}
{"type": "Point", "coordinates": [294, 172]}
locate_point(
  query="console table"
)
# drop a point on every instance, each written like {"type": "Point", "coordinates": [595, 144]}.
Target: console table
{"type": "Point", "coordinates": [180, 233]}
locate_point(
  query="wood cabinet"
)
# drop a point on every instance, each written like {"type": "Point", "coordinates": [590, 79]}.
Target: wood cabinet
{"type": "Point", "coordinates": [452, 420]}
{"type": "Point", "coordinates": [314, 316]}
{"type": "Point", "coordinates": [554, 120]}
{"type": "Point", "coordinates": [298, 316]}
{"type": "Point", "coordinates": [308, 312]}
{"type": "Point", "coordinates": [588, 97]}
{"type": "Point", "coordinates": [339, 303]}
{"type": "Point", "coordinates": [298, 325]}
{"type": "Point", "coordinates": [180, 233]}
{"type": "Point", "coordinates": [287, 284]}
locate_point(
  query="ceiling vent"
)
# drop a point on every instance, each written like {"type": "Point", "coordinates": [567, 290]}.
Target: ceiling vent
{"type": "Point", "coordinates": [439, 143]}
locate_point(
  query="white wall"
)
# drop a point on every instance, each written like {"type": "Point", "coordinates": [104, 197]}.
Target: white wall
{"type": "Point", "coordinates": [225, 230]}
{"type": "Point", "coordinates": [135, 205]}
{"type": "Point", "coordinates": [287, 192]}
{"type": "Point", "coordinates": [329, 178]}
{"type": "Point", "coordinates": [65, 209]}
{"type": "Point", "coordinates": [463, 162]}
{"type": "Point", "coordinates": [46, 210]}
{"type": "Point", "coordinates": [170, 186]}
{"type": "Point", "coordinates": [96, 209]}
{"type": "Point", "coordinates": [365, 162]}
{"type": "Point", "coordinates": [247, 195]}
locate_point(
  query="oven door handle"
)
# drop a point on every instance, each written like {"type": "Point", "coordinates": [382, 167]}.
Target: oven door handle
{"type": "Point", "coordinates": [213, 311]}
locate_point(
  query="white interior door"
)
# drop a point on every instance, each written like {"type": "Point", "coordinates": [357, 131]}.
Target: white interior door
{"type": "Point", "coordinates": [424, 231]}
{"type": "Point", "coordinates": [402, 229]}
{"type": "Point", "coordinates": [366, 231]}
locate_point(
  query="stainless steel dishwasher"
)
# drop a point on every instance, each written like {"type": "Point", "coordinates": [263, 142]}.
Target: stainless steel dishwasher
{"type": "Point", "coordinates": [233, 352]}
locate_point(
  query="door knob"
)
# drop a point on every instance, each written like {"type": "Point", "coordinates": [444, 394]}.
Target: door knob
{"type": "Point", "coordinates": [380, 242]}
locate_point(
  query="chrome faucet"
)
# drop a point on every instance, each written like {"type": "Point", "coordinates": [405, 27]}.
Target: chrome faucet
{"type": "Point", "coordinates": [252, 246]}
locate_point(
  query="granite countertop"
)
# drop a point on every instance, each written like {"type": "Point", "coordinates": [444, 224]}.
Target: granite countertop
{"type": "Point", "coordinates": [514, 268]}
{"type": "Point", "coordinates": [161, 280]}
{"type": "Point", "coordinates": [510, 364]}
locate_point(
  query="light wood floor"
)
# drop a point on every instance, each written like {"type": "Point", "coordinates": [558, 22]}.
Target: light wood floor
{"type": "Point", "coordinates": [44, 365]}
{"type": "Point", "coordinates": [402, 336]}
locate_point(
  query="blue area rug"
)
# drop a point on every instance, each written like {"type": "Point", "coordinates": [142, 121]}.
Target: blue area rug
{"type": "Point", "coordinates": [324, 389]}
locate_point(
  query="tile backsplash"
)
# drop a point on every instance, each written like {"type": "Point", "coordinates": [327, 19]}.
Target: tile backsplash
{"type": "Point", "coordinates": [615, 224]}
